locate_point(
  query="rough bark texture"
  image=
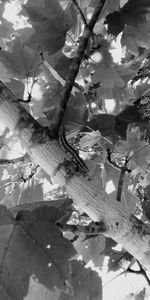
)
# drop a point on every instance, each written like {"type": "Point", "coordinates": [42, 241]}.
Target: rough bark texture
{"type": "Point", "coordinates": [120, 224]}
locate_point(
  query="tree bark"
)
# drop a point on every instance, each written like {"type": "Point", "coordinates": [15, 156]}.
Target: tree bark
{"type": "Point", "coordinates": [120, 223]}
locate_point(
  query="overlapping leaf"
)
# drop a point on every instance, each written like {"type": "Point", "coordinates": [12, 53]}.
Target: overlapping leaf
{"type": "Point", "coordinates": [30, 248]}
{"type": "Point", "coordinates": [86, 284]}
{"type": "Point", "coordinates": [132, 13]}
{"type": "Point", "coordinates": [135, 37]}
{"type": "Point", "coordinates": [50, 24]}
{"type": "Point", "coordinates": [108, 76]}
{"type": "Point", "coordinates": [20, 60]}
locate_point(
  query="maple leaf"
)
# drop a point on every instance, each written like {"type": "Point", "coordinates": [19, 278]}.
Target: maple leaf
{"type": "Point", "coordinates": [135, 37]}
{"type": "Point", "coordinates": [4, 74]}
{"type": "Point", "coordinates": [136, 148]}
{"type": "Point", "coordinates": [76, 111]}
{"type": "Point", "coordinates": [2, 8]}
{"type": "Point", "coordinates": [6, 29]}
{"type": "Point", "coordinates": [115, 23]}
{"type": "Point", "coordinates": [31, 244]}
{"type": "Point", "coordinates": [21, 61]}
{"type": "Point", "coordinates": [50, 24]}
{"type": "Point", "coordinates": [17, 87]}
{"type": "Point", "coordinates": [107, 75]}
{"type": "Point", "coordinates": [91, 287]}
{"type": "Point", "coordinates": [125, 71]}
{"type": "Point", "coordinates": [132, 13]}
{"type": "Point", "coordinates": [62, 65]}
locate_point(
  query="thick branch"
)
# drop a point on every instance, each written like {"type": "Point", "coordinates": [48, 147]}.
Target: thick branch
{"type": "Point", "coordinates": [119, 222]}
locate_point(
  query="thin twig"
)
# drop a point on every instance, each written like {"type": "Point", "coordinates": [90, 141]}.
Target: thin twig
{"type": "Point", "coordinates": [121, 179]}
{"type": "Point", "coordinates": [141, 271]}
{"type": "Point", "coordinates": [79, 11]}
{"type": "Point", "coordinates": [120, 184]}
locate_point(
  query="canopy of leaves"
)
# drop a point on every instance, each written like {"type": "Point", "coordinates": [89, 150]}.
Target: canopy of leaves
{"type": "Point", "coordinates": [106, 120]}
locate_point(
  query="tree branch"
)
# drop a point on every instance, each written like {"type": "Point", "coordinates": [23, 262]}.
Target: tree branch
{"type": "Point", "coordinates": [141, 271]}
{"type": "Point", "coordinates": [121, 179]}
{"type": "Point", "coordinates": [79, 11]}
{"type": "Point", "coordinates": [119, 222]}
{"type": "Point", "coordinates": [74, 67]}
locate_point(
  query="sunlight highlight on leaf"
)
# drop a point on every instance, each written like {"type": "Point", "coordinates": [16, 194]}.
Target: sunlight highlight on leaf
{"type": "Point", "coordinates": [36, 92]}
{"type": "Point", "coordinates": [110, 105]}
{"type": "Point", "coordinates": [109, 187]}
{"type": "Point", "coordinates": [12, 10]}
{"type": "Point", "coordinates": [117, 50]}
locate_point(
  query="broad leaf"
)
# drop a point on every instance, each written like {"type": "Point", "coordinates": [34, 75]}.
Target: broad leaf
{"type": "Point", "coordinates": [50, 24]}
{"type": "Point", "coordinates": [135, 37]}
{"type": "Point", "coordinates": [132, 13]}
{"type": "Point", "coordinates": [108, 76]}
{"type": "Point", "coordinates": [21, 61]}
{"type": "Point", "coordinates": [30, 248]}
{"type": "Point", "coordinates": [91, 249]}
{"type": "Point", "coordinates": [86, 284]}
